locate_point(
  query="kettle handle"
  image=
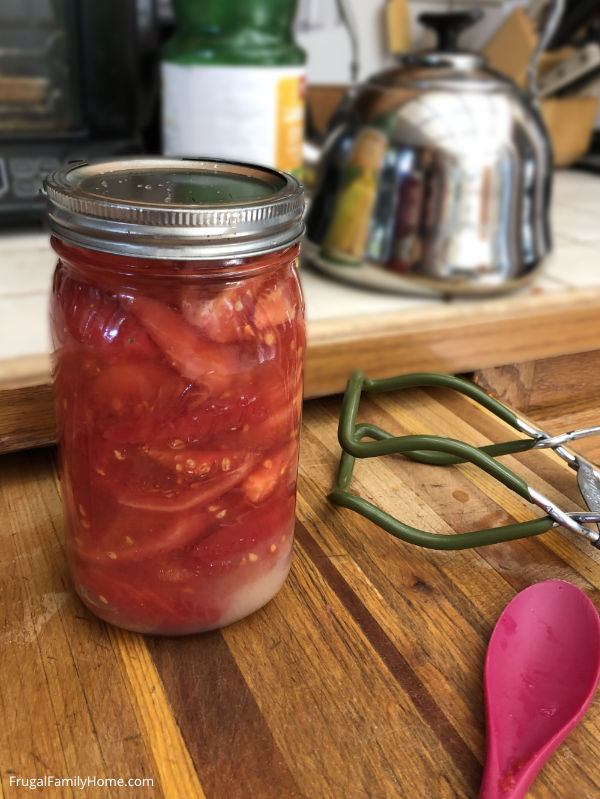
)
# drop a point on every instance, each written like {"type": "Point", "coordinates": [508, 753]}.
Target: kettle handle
{"type": "Point", "coordinates": [554, 12]}
{"type": "Point", "coordinates": [449, 26]}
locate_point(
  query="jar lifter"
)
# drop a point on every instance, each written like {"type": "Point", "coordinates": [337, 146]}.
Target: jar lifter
{"type": "Point", "coordinates": [441, 451]}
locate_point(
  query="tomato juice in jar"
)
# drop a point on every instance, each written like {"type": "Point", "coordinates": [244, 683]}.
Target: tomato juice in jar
{"type": "Point", "coordinates": [178, 330]}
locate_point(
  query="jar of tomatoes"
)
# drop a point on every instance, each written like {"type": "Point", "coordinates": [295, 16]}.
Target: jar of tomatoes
{"type": "Point", "coordinates": [178, 328]}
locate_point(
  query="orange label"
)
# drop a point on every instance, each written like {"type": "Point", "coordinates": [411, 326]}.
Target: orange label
{"type": "Point", "coordinates": [289, 122]}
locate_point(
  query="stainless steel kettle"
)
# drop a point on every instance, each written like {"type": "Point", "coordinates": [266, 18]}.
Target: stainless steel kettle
{"type": "Point", "coordinates": [436, 178]}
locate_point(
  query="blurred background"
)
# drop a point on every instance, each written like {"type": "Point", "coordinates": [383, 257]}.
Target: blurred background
{"type": "Point", "coordinates": [263, 80]}
{"type": "Point", "coordinates": [81, 79]}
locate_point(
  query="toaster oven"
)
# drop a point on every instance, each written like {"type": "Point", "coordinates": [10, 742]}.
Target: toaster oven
{"type": "Point", "coordinates": [78, 80]}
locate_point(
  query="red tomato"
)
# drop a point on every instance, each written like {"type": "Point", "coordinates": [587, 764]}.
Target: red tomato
{"type": "Point", "coordinates": [197, 359]}
{"type": "Point", "coordinates": [130, 402]}
{"type": "Point", "coordinates": [240, 311]}
{"type": "Point", "coordinates": [273, 471]}
{"type": "Point", "coordinates": [224, 318]}
{"type": "Point", "coordinates": [249, 537]}
{"type": "Point", "coordinates": [272, 308]}
{"type": "Point", "coordinates": [130, 535]}
{"type": "Point", "coordinates": [259, 410]}
{"type": "Point", "coordinates": [168, 480]}
{"type": "Point", "coordinates": [247, 311]}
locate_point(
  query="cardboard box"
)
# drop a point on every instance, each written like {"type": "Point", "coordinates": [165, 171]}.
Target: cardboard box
{"type": "Point", "coordinates": [570, 120]}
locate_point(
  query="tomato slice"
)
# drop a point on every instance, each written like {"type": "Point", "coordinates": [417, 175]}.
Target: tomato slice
{"type": "Point", "coordinates": [132, 403]}
{"type": "Point", "coordinates": [272, 308]}
{"type": "Point", "coordinates": [160, 480]}
{"type": "Point", "coordinates": [275, 416]}
{"type": "Point", "coordinates": [224, 318]}
{"type": "Point", "coordinates": [129, 535]}
{"type": "Point", "coordinates": [242, 311]}
{"type": "Point", "coordinates": [96, 318]}
{"type": "Point", "coordinates": [199, 360]}
{"type": "Point", "coordinates": [273, 471]}
{"type": "Point", "coordinates": [261, 409]}
{"type": "Point", "coordinates": [251, 537]}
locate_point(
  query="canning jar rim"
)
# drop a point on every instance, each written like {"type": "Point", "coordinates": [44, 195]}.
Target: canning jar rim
{"type": "Point", "coordinates": [162, 229]}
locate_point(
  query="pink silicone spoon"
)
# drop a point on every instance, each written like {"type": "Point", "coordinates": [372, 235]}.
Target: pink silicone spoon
{"type": "Point", "coordinates": [541, 672]}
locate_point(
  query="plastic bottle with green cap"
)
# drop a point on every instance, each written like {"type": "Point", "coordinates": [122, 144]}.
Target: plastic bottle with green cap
{"type": "Point", "coordinates": [233, 82]}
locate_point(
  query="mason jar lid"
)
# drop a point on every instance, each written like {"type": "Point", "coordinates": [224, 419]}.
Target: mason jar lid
{"type": "Point", "coordinates": [174, 208]}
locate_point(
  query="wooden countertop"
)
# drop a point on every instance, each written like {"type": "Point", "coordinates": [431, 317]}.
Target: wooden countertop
{"type": "Point", "coordinates": [362, 678]}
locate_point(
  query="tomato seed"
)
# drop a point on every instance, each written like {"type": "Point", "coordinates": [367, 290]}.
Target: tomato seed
{"type": "Point", "coordinates": [252, 557]}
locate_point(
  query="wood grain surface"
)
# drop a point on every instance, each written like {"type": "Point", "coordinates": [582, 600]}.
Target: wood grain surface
{"type": "Point", "coordinates": [362, 678]}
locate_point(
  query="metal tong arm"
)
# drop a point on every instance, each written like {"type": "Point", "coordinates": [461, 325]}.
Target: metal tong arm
{"type": "Point", "coordinates": [430, 448]}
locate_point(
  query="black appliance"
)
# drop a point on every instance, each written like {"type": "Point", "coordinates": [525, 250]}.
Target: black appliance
{"type": "Point", "coordinates": [78, 79]}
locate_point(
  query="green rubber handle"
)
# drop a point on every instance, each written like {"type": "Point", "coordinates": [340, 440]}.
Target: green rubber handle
{"type": "Point", "coordinates": [428, 449]}
{"type": "Point", "coordinates": [432, 379]}
{"type": "Point", "coordinates": [445, 459]}
{"type": "Point", "coordinates": [350, 435]}
{"type": "Point", "coordinates": [412, 535]}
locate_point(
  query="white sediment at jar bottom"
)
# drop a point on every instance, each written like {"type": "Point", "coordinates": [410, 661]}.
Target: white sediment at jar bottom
{"type": "Point", "coordinates": [250, 598]}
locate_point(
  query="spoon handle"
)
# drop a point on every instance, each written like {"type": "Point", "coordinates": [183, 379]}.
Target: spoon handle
{"type": "Point", "coordinates": [495, 785]}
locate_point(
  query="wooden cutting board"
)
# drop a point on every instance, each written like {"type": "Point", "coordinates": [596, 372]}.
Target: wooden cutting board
{"type": "Point", "coordinates": [362, 678]}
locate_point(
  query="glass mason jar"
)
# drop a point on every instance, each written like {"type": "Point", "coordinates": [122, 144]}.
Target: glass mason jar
{"type": "Point", "coordinates": [178, 329]}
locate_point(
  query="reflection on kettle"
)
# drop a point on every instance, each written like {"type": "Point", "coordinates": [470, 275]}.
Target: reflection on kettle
{"type": "Point", "coordinates": [438, 179]}
{"type": "Point", "coordinates": [349, 227]}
